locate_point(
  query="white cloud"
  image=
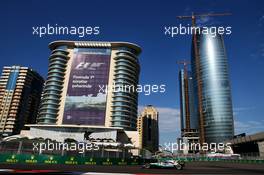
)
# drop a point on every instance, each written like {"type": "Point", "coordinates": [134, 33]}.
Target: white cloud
{"type": "Point", "coordinates": [249, 127]}
{"type": "Point", "coordinates": [259, 51]}
{"type": "Point", "coordinates": [261, 20]}
{"type": "Point", "coordinates": [238, 110]}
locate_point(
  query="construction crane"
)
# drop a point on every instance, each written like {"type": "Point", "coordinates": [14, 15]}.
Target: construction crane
{"type": "Point", "coordinates": [185, 64]}
{"type": "Point", "coordinates": [193, 17]}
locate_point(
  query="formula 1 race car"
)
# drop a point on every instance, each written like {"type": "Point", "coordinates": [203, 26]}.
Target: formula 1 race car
{"type": "Point", "coordinates": [165, 164]}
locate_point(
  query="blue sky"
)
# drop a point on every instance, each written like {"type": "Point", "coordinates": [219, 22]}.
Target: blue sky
{"type": "Point", "coordinates": [142, 22]}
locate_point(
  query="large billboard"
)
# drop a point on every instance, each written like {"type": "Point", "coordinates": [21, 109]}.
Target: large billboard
{"type": "Point", "coordinates": [85, 101]}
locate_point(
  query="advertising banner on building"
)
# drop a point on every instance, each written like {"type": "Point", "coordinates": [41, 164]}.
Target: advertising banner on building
{"type": "Point", "coordinates": [85, 101]}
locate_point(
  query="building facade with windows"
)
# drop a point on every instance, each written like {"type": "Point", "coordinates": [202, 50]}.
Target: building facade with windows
{"type": "Point", "coordinates": [148, 129]}
{"type": "Point", "coordinates": [20, 93]}
{"type": "Point", "coordinates": [91, 83]}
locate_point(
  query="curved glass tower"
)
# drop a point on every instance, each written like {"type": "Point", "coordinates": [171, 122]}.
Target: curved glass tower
{"type": "Point", "coordinates": [82, 87]}
{"type": "Point", "coordinates": [211, 82]}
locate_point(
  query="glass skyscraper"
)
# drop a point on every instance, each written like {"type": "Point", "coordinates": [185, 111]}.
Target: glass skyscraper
{"type": "Point", "coordinates": [182, 100]}
{"type": "Point", "coordinates": [212, 88]}
{"type": "Point", "coordinates": [189, 116]}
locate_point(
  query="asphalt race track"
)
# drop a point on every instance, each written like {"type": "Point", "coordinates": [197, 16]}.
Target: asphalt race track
{"type": "Point", "coordinates": [190, 168]}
